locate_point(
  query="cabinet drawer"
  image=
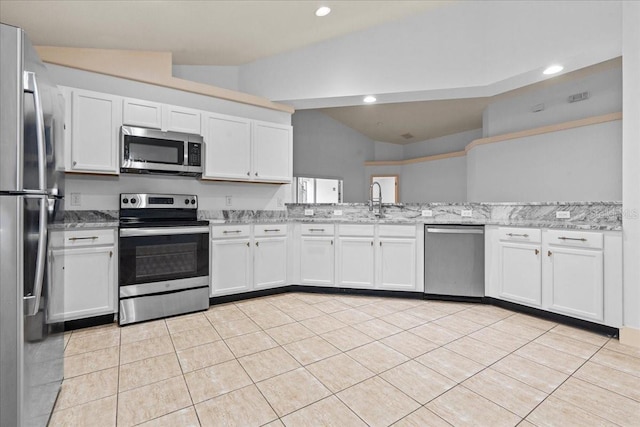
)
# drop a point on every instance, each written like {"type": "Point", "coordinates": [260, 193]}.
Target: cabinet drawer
{"type": "Point", "coordinates": [397, 231]}
{"type": "Point", "coordinates": [230, 231]}
{"type": "Point", "coordinates": [579, 239]}
{"type": "Point", "coordinates": [266, 230]}
{"type": "Point", "coordinates": [531, 235]}
{"type": "Point", "coordinates": [317, 229]}
{"type": "Point", "coordinates": [356, 230]}
{"type": "Point", "coordinates": [77, 238]}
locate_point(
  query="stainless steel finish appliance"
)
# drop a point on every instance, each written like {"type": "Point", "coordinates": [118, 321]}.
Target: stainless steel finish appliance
{"type": "Point", "coordinates": [164, 257]}
{"type": "Point", "coordinates": [154, 151]}
{"type": "Point", "coordinates": [31, 126]}
{"type": "Point", "coordinates": [454, 260]}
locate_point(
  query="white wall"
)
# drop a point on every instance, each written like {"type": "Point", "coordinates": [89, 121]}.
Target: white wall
{"type": "Point", "coordinates": [221, 76]}
{"type": "Point", "coordinates": [434, 181]}
{"type": "Point", "coordinates": [514, 114]}
{"type": "Point", "coordinates": [459, 50]}
{"type": "Point", "coordinates": [324, 147]}
{"type": "Point", "coordinates": [580, 164]}
{"type": "Point", "coordinates": [101, 192]}
{"type": "Point", "coordinates": [630, 169]}
{"type": "Point", "coordinates": [387, 151]}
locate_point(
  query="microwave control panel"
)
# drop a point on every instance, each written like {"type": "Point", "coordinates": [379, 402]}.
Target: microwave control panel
{"type": "Point", "coordinates": [195, 149]}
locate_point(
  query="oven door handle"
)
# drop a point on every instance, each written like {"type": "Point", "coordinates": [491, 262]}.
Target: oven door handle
{"type": "Point", "coordinates": [161, 231]}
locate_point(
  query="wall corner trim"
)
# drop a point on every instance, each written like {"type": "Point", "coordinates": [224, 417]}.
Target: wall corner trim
{"type": "Point", "coordinates": [630, 336]}
{"type": "Point", "coordinates": [146, 67]}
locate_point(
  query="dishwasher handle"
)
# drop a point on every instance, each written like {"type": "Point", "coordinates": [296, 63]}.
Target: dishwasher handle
{"type": "Point", "coordinates": [455, 230]}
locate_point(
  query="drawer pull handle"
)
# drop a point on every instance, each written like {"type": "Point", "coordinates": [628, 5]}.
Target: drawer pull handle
{"type": "Point", "coordinates": [274, 230]}
{"type": "Point", "coordinates": [316, 229]}
{"type": "Point", "coordinates": [248, 245]}
{"type": "Point", "coordinates": [257, 243]}
{"type": "Point", "coordinates": [231, 231]}
{"type": "Point", "coordinates": [331, 242]}
{"type": "Point", "coordinates": [517, 235]}
{"type": "Point", "coordinates": [73, 239]}
{"type": "Point", "coordinates": [549, 253]}
{"type": "Point", "coordinates": [537, 251]}
{"type": "Point", "coordinates": [110, 254]}
{"type": "Point", "coordinates": [581, 239]}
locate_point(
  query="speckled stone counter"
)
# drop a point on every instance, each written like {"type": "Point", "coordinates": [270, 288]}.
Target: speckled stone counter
{"type": "Point", "coordinates": [242, 216]}
{"type": "Point", "coordinates": [86, 219]}
{"type": "Point", "coordinates": [582, 215]}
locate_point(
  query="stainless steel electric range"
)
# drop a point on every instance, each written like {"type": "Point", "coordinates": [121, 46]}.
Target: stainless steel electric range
{"type": "Point", "coordinates": [163, 257]}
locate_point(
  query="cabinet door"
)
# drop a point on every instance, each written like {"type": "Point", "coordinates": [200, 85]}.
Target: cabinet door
{"type": "Point", "coordinates": [520, 273]}
{"type": "Point", "coordinates": [227, 150]}
{"type": "Point", "coordinates": [270, 263]}
{"type": "Point", "coordinates": [272, 152]}
{"type": "Point", "coordinates": [397, 264]}
{"type": "Point", "coordinates": [142, 113]}
{"type": "Point", "coordinates": [178, 119]}
{"type": "Point", "coordinates": [355, 262]}
{"type": "Point", "coordinates": [95, 128]}
{"type": "Point", "coordinates": [317, 258]}
{"type": "Point", "coordinates": [574, 282]}
{"type": "Point", "coordinates": [230, 266]}
{"type": "Point", "coordinates": [86, 277]}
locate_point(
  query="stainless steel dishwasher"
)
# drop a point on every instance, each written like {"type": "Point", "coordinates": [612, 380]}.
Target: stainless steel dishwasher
{"type": "Point", "coordinates": [454, 260]}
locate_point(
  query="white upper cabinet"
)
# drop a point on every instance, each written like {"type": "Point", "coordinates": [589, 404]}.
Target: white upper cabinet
{"type": "Point", "coordinates": [165, 117]}
{"type": "Point", "coordinates": [92, 132]}
{"type": "Point", "coordinates": [146, 114]}
{"type": "Point", "coordinates": [227, 150]}
{"type": "Point", "coordinates": [240, 149]}
{"type": "Point", "coordinates": [179, 119]}
{"type": "Point", "coordinates": [272, 146]}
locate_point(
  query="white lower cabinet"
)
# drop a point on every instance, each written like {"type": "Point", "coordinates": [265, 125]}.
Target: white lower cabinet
{"type": "Point", "coordinates": [396, 263]}
{"type": "Point", "coordinates": [575, 273]}
{"type": "Point", "coordinates": [243, 260]}
{"type": "Point", "coordinates": [377, 257]}
{"type": "Point", "coordinates": [270, 256]}
{"type": "Point", "coordinates": [520, 265]}
{"type": "Point", "coordinates": [317, 255]}
{"type": "Point", "coordinates": [82, 274]}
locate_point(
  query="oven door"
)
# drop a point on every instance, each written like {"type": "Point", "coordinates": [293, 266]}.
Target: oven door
{"type": "Point", "coordinates": [162, 259]}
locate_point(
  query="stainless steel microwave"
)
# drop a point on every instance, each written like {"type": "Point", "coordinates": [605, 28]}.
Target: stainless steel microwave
{"type": "Point", "coordinates": [154, 151]}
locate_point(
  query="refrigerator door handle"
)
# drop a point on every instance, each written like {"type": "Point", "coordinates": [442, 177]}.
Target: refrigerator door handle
{"type": "Point", "coordinates": [32, 302]}
{"type": "Point", "coordinates": [31, 86]}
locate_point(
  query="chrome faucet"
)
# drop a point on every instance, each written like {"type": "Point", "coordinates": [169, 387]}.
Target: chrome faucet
{"type": "Point", "coordinates": [377, 200]}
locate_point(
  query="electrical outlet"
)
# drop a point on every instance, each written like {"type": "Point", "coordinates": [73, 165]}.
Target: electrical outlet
{"type": "Point", "coordinates": [308, 212]}
{"type": "Point", "coordinates": [427, 212]}
{"type": "Point", "coordinates": [228, 200]}
{"type": "Point", "coordinates": [75, 199]}
{"type": "Point", "coordinates": [468, 213]}
{"type": "Point", "coordinates": [563, 214]}
{"type": "Point", "coordinates": [337, 212]}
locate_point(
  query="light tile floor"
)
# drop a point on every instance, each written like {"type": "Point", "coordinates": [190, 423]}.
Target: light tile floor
{"type": "Point", "coordinates": [302, 359]}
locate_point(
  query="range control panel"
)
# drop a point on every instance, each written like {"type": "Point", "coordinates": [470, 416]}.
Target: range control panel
{"type": "Point", "coordinates": [158, 201]}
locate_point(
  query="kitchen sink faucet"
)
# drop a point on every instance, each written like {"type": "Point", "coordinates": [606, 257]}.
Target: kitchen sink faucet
{"type": "Point", "coordinates": [377, 200]}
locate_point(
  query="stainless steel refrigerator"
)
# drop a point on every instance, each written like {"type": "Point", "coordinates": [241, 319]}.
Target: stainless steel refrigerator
{"type": "Point", "coordinates": [31, 188]}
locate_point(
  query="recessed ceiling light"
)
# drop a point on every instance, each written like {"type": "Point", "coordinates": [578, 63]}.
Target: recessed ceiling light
{"type": "Point", "coordinates": [369, 99]}
{"type": "Point", "coordinates": [552, 69]}
{"type": "Point", "coordinates": [323, 11]}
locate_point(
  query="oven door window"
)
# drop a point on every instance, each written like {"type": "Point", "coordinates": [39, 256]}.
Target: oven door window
{"type": "Point", "coordinates": [148, 259]}
{"type": "Point", "coordinates": [153, 150]}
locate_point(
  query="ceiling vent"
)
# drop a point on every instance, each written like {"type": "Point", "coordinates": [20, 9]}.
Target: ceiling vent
{"type": "Point", "coordinates": [407, 136]}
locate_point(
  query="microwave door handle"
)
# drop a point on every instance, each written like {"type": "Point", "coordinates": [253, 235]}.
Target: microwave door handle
{"type": "Point", "coordinates": [32, 302]}
{"type": "Point", "coordinates": [31, 86]}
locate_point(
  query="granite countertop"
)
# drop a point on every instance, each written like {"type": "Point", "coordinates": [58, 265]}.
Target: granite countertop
{"type": "Point", "coordinates": [583, 215]}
